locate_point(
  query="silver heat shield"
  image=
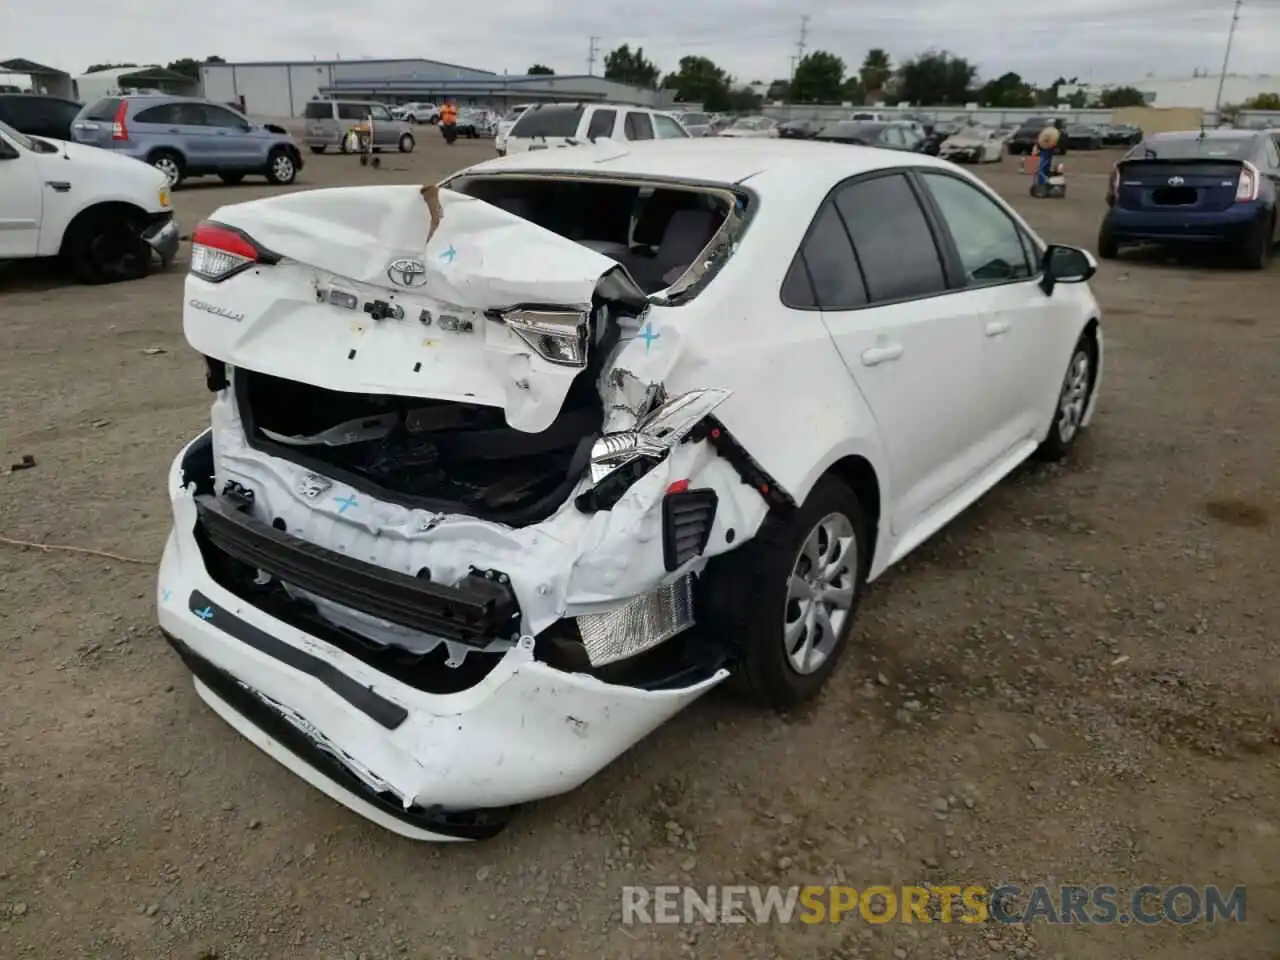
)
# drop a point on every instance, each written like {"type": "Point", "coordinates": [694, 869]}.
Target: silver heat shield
{"type": "Point", "coordinates": [638, 625]}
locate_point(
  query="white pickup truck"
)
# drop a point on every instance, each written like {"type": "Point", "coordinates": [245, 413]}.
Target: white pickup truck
{"type": "Point", "coordinates": [104, 214]}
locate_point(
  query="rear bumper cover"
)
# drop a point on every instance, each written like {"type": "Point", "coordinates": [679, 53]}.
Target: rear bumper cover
{"type": "Point", "coordinates": [1232, 226]}
{"type": "Point", "coordinates": [426, 766]}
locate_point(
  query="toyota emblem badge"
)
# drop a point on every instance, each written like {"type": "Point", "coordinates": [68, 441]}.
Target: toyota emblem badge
{"type": "Point", "coordinates": [407, 273]}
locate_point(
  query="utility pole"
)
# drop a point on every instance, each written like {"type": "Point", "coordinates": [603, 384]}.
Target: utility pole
{"type": "Point", "coordinates": [591, 55]}
{"type": "Point", "coordinates": [800, 44]}
{"type": "Point", "coordinates": [1226, 59]}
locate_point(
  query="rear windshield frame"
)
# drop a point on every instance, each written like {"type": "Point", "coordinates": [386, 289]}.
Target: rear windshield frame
{"type": "Point", "coordinates": [552, 120]}
{"type": "Point", "coordinates": [104, 109]}
{"type": "Point", "coordinates": [1192, 147]}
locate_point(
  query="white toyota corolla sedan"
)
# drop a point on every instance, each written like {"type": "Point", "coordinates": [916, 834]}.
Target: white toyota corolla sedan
{"type": "Point", "coordinates": [502, 474]}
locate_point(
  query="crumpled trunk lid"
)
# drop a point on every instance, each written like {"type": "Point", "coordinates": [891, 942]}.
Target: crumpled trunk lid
{"type": "Point", "coordinates": [442, 284]}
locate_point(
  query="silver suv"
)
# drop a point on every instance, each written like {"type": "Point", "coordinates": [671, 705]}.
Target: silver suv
{"type": "Point", "coordinates": [186, 137]}
{"type": "Point", "coordinates": [329, 120]}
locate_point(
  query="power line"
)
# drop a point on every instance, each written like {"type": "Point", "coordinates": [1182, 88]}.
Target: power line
{"type": "Point", "coordinates": [591, 55]}
{"type": "Point", "coordinates": [1226, 57]}
{"type": "Point", "coordinates": [800, 44]}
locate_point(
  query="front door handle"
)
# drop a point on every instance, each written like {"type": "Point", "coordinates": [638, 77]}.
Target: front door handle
{"type": "Point", "coordinates": [878, 355]}
{"type": "Point", "coordinates": [997, 327]}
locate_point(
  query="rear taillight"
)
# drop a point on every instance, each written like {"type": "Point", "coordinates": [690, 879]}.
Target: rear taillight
{"type": "Point", "coordinates": [120, 129]}
{"type": "Point", "coordinates": [219, 252]}
{"type": "Point", "coordinates": [1248, 184]}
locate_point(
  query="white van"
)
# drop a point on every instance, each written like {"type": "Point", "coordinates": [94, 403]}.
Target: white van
{"type": "Point", "coordinates": [546, 125]}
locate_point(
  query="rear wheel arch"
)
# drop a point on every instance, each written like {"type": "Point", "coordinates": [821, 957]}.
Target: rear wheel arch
{"type": "Point", "coordinates": [857, 472]}
{"type": "Point", "coordinates": [86, 229]}
{"type": "Point", "coordinates": [101, 208]}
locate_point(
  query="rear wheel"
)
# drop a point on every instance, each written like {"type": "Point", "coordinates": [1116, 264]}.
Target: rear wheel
{"type": "Point", "coordinates": [406, 143]}
{"type": "Point", "coordinates": [170, 164]}
{"type": "Point", "coordinates": [790, 595]}
{"type": "Point", "coordinates": [1256, 254]}
{"type": "Point", "coordinates": [1108, 249]}
{"type": "Point", "coordinates": [281, 167]}
{"type": "Point", "coordinates": [106, 246]}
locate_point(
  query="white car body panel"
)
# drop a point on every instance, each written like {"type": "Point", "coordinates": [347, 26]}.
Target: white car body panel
{"type": "Point", "coordinates": [801, 397]}
{"type": "Point", "coordinates": [41, 193]}
{"type": "Point", "coordinates": [989, 149]}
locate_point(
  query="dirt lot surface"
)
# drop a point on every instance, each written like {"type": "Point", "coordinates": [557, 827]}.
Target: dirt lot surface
{"type": "Point", "coordinates": [1074, 683]}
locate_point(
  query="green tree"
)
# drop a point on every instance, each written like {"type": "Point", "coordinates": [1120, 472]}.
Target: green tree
{"type": "Point", "coordinates": [99, 67]}
{"type": "Point", "coordinates": [875, 72]}
{"type": "Point", "coordinates": [540, 70]}
{"type": "Point", "coordinates": [818, 78]}
{"type": "Point", "coordinates": [936, 77]}
{"type": "Point", "coordinates": [1263, 101]}
{"type": "Point", "coordinates": [743, 100]}
{"type": "Point", "coordinates": [1078, 100]}
{"type": "Point", "coordinates": [1008, 90]}
{"type": "Point", "coordinates": [779, 90]}
{"type": "Point", "coordinates": [699, 80]}
{"type": "Point", "coordinates": [852, 90]}
{"type": "Point", "coordinates": [1122, 97]}
{"type": "Point", "coordinates": [623, 65]}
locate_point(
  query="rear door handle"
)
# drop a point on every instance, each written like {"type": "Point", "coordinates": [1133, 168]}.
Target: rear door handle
{"type": "Point", "coordinates": [997, 327]}
{"type": "Point", "coordinates": [878, 355]}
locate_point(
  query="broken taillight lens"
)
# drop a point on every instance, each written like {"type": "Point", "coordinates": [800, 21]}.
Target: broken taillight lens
{"type": "Point", "coordinates": [219, 252]}
{"type": "Point", "coordinates": [557, 336]}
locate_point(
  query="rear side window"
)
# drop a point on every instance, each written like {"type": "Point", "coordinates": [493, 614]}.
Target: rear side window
{"type": "Point", "coordinates": [827, 261]}
{"type": "Point", "coordinates": [161, 113]}
{"type": "Point", "coordinates": [104, 109]}
{"type": "Point", "coordinates": [639, 127]}
{"type": "Point", "coordinates": [549, 121]}
{"type": "Point", "coordinates": [318, 110]}
{"type": "Point", "coordinates": [892, 239]}
{"type": "Point", "coordinates": [601, 124]}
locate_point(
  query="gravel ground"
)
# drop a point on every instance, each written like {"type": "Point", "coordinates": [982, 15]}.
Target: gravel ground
{"type": "Point", "coordinates": [1074, 683]}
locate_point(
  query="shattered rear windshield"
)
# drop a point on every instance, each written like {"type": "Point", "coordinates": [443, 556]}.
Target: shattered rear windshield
{"type": "Point", "coordinates": [548, 122]}
{"type": "Point", "coordinates": [656, 231]}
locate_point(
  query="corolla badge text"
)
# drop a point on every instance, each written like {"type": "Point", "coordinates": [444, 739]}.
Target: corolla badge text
{"type": "Point", "coordinates": [407, 273]}
{"type": "Point", "coordinates": [216, 310]}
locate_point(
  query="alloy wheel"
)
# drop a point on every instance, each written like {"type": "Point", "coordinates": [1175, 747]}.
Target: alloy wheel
{"type": "Point", "coordinates": [820, 593]}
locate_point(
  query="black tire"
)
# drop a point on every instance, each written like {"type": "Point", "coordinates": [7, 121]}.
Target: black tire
{"type": "Point", "coordinates": [231, 178]}
{"type": "Point", "coordinates": [106, 246]}
{"type": "Point", "coordinates": [282, 167]}
{"type": "Point", "coordinates": [407, 143]}
{"type": "Point", "coordinates": [317, 149]}
{"type": "Point", "coordinates": [411, 119]}
{"type": "Point", "coordinates": [171, 164]}
{"type": "Point", "coordinates": [1256, 253]}
{"type": "Point", "coordinates": [762, 570]}
{"type": "Point", "coordinates": [364, 159]}
{"type": "Point", "coordinates": [1108, 248]}
{"type": "Point", "coordinates": [1065, 429]}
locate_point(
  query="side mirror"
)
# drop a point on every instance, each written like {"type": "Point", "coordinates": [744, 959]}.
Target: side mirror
{"type": "Point", "coordinates": [1063, 264]}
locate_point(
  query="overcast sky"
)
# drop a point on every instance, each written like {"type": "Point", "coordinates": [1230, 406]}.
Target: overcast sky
{"type": "Point", "coordinates": [1098, 40]}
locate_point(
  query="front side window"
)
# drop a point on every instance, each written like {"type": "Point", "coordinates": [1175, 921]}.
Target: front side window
{"type": "Point", "coordinates": [891, 238]}
{"type": "Point", "coordinates": [667, 128]}
{"type": "Point", "coordinates": [218, 117]}
{"type": "Point", "coordinates": [380, 113]}
{"type": "Point", "coordinates": [987, 239]}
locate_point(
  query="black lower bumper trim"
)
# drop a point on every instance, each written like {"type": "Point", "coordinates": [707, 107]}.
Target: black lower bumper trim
{"type": "Point", "coordinates": [378, 708]}
{"type": "Point", "coordinates": [481, 824]}
{"type": "Point", "coordinates": [473, 612]}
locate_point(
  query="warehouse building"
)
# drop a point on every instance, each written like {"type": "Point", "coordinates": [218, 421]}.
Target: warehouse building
{"type": "Point", "coordinates": [1202, 91]}
{"type": "Point", "coordinates": [283, 88]}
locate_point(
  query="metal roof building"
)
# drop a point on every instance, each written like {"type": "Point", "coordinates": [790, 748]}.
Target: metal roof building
{"type": "Point", "coordinates": [283, 88]}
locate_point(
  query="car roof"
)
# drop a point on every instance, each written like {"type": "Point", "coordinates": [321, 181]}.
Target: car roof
{"type": "Point", "coordinates": [1229, 133]}
{"type": "Point", "coordinates": [710, 160]}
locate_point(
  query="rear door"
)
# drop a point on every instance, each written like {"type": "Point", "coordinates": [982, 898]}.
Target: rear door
{"type": "Point", "coordinates": [879, 278]}
{"type": "Point", "coordinates": [321, 128]}
{"type": "Point", "coordinates": [178, 125]}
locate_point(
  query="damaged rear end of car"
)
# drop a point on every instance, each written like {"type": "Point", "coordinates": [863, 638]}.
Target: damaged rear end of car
{"type": "Point", "coordinates": [439, 551]}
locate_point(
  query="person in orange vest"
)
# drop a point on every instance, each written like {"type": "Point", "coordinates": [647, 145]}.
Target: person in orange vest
{"type": "Point", "coordinates": [449, 121]}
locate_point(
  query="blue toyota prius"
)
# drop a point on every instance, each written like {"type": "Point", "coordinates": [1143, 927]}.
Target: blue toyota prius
{"type": "Point", "coordinates": [1196, 188]}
